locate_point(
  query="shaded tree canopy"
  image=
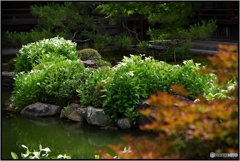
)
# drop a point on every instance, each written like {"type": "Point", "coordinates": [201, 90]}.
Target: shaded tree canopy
{"type": "Point", "coordinates": [86, 21]}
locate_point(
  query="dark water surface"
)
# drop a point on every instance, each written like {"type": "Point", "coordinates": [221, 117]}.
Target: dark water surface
{"type": "Point", "coordinates": [60, 135]}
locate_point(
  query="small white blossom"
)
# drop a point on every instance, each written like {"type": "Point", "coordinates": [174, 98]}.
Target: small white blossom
{"type": "Point", "coordinates": [131, 73]}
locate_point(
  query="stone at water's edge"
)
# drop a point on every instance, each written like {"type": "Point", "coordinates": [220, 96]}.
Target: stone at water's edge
{"type": "Point", "coordinates": [41, 110]}
{"type": "Point", "coordinates": [8, 102]}
{"type": "Point", "coordinates": [73, 113]}
{"type": "Point", "coordinates": [124, 123]}
{"type": "Point", "coordinates": [95, 116]}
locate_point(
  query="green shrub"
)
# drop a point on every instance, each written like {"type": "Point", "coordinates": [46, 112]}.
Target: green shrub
{"type": "Point", "coordinates": [135, 79]}
{"type": "Point", "coordinates": [88, 91]}
{"type": "Point", "coordinates": [46, 50]}
{"type": "Point", "coordinates": [195, 82]}
{"type": "Point", "coordinates": [51, 84]}
{"type": "Point", "coordinates": [101, 63]}
{"type": "Point", "coordinates": [89, 54]}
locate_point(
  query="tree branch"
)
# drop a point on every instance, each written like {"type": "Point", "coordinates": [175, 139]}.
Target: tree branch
{"type": "Point", "coordinates": [76, 40]}
{"type": "Point", "coordinates": [131, 31]}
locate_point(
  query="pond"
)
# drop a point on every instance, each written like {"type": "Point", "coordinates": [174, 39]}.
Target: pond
{"type": "Point", "coordinates": [60, 135]}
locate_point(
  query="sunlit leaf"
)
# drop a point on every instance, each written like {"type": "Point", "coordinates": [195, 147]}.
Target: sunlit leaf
{"type": "Point", "coordinates": [14, 155]}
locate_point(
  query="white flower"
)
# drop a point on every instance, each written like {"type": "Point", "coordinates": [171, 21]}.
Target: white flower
{"type": "Point", "coordinates": [46, 149]}
{"type": "Point", "coordinates": [131, 73]}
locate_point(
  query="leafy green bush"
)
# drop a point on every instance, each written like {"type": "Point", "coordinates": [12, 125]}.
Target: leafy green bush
{"type": "Point", "coordinates": [89, 54]}
{"type": "Point", "coordinates": [195, 82]}
{"type": "Point", "coordinates": [135, 79]}
{"type": "Point", "coordinates": [46, 50]}
{"type": "Point", "coordinates": [89, 91]}
{"type": "Point", "coordinates": [51, 84]}
{"type": "Point", "coordinates": [101, 63]}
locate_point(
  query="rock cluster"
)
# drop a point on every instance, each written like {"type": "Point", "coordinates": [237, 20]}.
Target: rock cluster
{"type": "Point", "coordinates": [74, 112]}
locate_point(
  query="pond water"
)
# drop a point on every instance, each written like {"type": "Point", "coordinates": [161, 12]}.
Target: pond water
{"type": "Point", "coordinates": [60, 135]}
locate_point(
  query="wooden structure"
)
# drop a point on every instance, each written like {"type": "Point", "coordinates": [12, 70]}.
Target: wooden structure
{"type": "Point", "coordinates": [226, 15]}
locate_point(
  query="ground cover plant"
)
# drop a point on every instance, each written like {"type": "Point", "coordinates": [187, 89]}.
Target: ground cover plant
{"type": "Point", "coordinates": [189, 130]}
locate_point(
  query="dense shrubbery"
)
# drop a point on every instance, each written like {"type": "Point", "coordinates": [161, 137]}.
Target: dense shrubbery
{"type": "Point", "coordinates": [92, 54]}
{"type": "Point", "coordinates": [46, 50]}
{"type": "Point", "coordinates": [89, 54]}
{"type": "Point", "coordinates": [50, 71]}
{"type": "Point", "coordinates": [54, 83]}
{"type": "Point", "coordinates": [89, 91]}
{"type": "Point", "coordinates": [189, 130]}
{"type": "Point", "coordinates": [135, 79]}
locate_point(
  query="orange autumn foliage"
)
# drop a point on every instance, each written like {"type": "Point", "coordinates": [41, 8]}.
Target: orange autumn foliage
{"type": "Point", "coordinates": [189, 129]}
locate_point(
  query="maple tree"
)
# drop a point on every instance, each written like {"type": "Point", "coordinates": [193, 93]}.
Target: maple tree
{"type": "Point", "coordinates": [189, 129]}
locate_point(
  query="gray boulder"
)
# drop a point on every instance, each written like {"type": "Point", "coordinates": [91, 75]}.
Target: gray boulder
{"type": "Point", "coordinates": [96, 116]}
{"type": "Point", "coordinates": [72, 113]}
{"type": "Point", "coordinates": [90, 63]}
{"type": "Point", "coordinates": [41, 110]}
{"type": "Point", "coordinates": [124, 123]}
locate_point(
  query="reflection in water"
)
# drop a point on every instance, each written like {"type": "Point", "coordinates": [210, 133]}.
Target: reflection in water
{"type": "Point", "coordinates": [60, 135]}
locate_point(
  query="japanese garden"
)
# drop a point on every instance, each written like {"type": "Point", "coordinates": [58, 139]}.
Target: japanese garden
{"type": "Point", "coordinates": [80, 91]}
